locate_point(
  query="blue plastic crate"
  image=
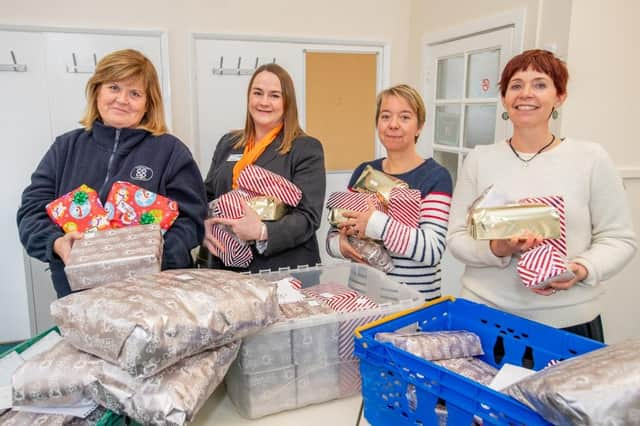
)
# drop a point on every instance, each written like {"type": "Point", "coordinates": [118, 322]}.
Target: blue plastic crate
{"type": "Point", "coordinates": [389, 373]}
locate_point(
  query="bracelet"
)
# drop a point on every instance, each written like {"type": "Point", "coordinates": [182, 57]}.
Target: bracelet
{"type": "Point", "coordinates": [263, 232]}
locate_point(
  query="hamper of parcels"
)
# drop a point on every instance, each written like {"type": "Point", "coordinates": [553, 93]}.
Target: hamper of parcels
{"type": "Point", "coordinates": [399, 388]}
{"type": "Point", "coordinates": [108, 419]}
{"type": "Point", "coordinates": [303, 361]}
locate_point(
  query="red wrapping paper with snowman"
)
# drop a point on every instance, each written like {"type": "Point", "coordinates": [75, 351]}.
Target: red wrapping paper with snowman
{"type": "Point", "coordinates": [79, 210]}
{"type": "Point", "coordinates": [128, 204]}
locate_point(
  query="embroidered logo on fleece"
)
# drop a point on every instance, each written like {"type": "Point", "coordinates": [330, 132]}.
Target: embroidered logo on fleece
{"type": "Point", "coordinates": [143, 173]}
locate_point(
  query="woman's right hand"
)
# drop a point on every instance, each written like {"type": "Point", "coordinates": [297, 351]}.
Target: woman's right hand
{"type": "Point", "coordinates": [509, 247]}
{"type": "Point", "coordinates": [347, 249]}
{"type": "Point", "coordinates": [62, 245]}
{"type": "Point", "coordinates": [210, 242]}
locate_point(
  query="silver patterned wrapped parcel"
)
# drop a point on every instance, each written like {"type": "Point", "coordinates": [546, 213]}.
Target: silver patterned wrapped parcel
{"type": "Point", "coordinates": [22, 418]}
{"type": "Point", "coordinates": [373, 253]}
{"type": "Point", "coordinates": [114, 254]}
{"type": "Point", "coordinates": [55, 377]}
{"type": "Point", "coordinates": [598, 388]}
{"type": "Point", "coordinates": [172, 397]}
{"type": "Point", "coordinates": [471, 368]}
{"type": "Point", "coordinates": [435, 345]}
{"type": "Point", "coordinates": [372, 180]}
{"type": "Point", "coordinates": [145, 324]}
{"type": "Point", "coordinates": [511, 221]}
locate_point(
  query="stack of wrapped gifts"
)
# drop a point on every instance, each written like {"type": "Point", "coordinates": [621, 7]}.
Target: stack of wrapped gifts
{"type": "Point", "coordinates": [152, 347]}
{"type": "Point", "coordinates": [388, 194]}
{"type": "Point", "coordinates": [307, 357]}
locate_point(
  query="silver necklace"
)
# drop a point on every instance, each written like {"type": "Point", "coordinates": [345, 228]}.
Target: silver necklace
{"type": "Point", "coordinates": [526, 160]}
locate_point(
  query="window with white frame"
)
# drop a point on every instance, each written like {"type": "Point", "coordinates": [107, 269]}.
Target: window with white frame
{"type": "Point", "coordinates": [462, 95]}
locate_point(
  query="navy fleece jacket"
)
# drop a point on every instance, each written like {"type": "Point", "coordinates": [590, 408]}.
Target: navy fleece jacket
{"type": "Point", "coordinates": [99, 157]}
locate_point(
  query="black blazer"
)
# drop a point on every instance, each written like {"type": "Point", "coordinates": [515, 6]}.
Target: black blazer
{"type": "Point", "coordinates": [292, 239]}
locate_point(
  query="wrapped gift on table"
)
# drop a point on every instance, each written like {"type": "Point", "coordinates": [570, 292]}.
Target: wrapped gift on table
{"type": "Point", "coordinates": [65, 375]}
{"type": "Point", "coordinates": [145, 324]}
{"type": "Point", "coordinates": [79, 210]}
{"type": "Point", "coordinates": [601, 387]}
{"type": "Point", "coordinates": [128, 204]}
{"type": "Point", "coordinates": [113, 255]}
{"type": "Point", "coordinates": [435, 345]}
{"type": "Point", "coordinates": [471, 368]}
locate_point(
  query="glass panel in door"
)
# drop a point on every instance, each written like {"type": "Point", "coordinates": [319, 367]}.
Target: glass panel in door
{"type": "Point", "coordinates": [483, 74]}
{"type": "Point", "coordinates": [450, 78]}
{"type": "Point", "coordinates": [448, 125]}
{"type": "Point", "coordinates": [479, 124]}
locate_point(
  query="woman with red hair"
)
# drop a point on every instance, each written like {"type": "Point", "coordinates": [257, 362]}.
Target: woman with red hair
{"type": "Point", "coordinates": [534, 162]}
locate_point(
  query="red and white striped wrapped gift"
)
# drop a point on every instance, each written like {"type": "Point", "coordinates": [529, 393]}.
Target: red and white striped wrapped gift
{"type": "Point", "coordinates": [346, 329]}
{"type": "Point", "coordinates": [359, 303]}
{"type": "Point", "coordinates": [237, 253]}
{"type": "Point", "coordinates": [229, 205]}
{"type": "Point", "coordinates": [353, 201]}
{"type": "Point", "coordinates": [258, 180]}
{"type": "Point", "coordinates": [349, 377]}
{"type": "Point", "coordinates": [332, 294]}
{"type": "Point", "coordinates": [404, 206]}
{"type": "Point", "coordinates": [539, 266]}
{"type": "Point", "coordinates": [557, 202]}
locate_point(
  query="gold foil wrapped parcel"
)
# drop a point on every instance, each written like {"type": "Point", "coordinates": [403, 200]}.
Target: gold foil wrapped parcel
{"type": "Point", "coordinates": [268, 208]}
{"type": "Point", "coordinates": [510, 221]}
{"type": "Point", "coordinates": [372, 180]}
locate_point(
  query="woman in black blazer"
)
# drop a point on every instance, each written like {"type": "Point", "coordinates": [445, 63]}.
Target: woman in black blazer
{"type": "Point", "coordinates": [272, 139]}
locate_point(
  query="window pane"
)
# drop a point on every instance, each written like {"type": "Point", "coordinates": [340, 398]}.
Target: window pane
{"type": "Point", "coordinates": [479, 124]}
{"type": "Point", "coordinates": [448, 125]}
{"type": "Point", "coordinates": [450, 78]}
{"type": "Point", "coordinates": [483, 74]}
{"type": "Point", "coordinates": [449, 161]}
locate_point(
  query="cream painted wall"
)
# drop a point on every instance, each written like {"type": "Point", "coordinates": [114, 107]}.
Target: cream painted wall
{"type": "Point", "coordinates": [603, 107]}
{"type": "Point", "coordinates": [429, 16]}
{"type": "Point", "coordinates": [361, 20]}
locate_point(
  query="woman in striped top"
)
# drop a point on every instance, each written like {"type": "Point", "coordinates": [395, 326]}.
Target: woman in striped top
{"type": "Point", "coordinates": [416, 252]}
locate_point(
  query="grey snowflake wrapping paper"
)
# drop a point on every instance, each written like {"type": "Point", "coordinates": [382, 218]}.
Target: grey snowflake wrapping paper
{"type": "Point", "coordinates": [145, 324]}
{"type": "Point", "coordinates": [598, 388]}
{"type": "Point", "coordinates": [114, 254]}
{"type": "Point", "coordinates": [435, 345]}
{"type": "Point", "coordinates": [64, 375]}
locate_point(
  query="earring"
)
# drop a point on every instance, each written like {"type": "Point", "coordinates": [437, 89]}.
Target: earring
{"type": "Point", "coordinates": [554, 114]}
{"type": "Point", "coordinates": [505, 116]}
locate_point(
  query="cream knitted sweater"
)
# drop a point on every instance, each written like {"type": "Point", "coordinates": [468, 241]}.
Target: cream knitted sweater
{"type": "Point", "coordinates": [600, 233]}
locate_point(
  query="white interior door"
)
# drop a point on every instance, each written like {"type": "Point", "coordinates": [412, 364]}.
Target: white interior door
{"type": "Point", "coordinates": [25, 130]}
{"type": "Point", "coordinates": [463, 108]}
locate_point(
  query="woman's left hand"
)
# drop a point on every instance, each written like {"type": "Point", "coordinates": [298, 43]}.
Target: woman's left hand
{"type": "Point", "coordinates": [579, 272]}
{"type": "Point", "coordinates": [247, 228]}
{"type": "Point", "coordinates": [357, 222]}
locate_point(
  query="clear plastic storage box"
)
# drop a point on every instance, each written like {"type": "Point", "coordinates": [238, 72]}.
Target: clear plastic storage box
{"type": "Point", "coordinates": [308, 360]}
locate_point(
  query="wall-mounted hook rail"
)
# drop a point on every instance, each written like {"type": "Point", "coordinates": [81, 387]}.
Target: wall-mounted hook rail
{"type": "Point", "coordinates": [15, 66]}
{"type": "Point", "coordinates": [238, 70]}
{"type": "Point", "coordinates": [81, 69]}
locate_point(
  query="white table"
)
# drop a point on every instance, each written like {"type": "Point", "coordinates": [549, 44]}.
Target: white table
{"type": "Point", "coordinates": [220, 411]}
